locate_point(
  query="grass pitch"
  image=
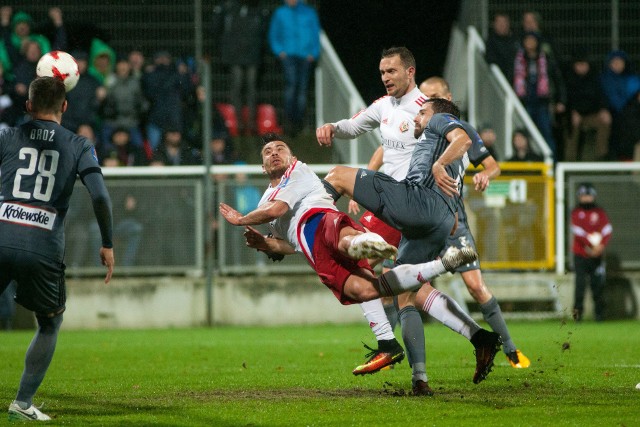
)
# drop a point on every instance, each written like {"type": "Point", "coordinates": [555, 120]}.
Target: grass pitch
{"type": "Point", "coordinates": [581, 375]}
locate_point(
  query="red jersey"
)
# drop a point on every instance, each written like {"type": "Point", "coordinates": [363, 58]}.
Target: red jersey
{"type": "Point", "coordinates": [590, 227]}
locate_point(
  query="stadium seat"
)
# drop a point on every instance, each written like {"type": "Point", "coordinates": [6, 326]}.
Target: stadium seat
{"type": "Point", "coordinates": [230, 117]}
{"type": "Point", "coordinates": [267, 120]}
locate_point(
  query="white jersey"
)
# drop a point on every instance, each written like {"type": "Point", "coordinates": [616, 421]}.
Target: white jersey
{"type": "Point", "coordinates": [394, 117]}
{"type": "Point", "coordinates": [302, 190]}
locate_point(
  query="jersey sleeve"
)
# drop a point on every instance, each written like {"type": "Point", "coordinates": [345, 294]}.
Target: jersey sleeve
{"type": "Point", "coordinates": [101, 206]}
{"type": "Point", "coordinates": [88, 160]}
{"type": "Point", "coordinates": [364, 121]}
{"type": "Point", "coordinates": [442, 123]}
{"type": "Point", "coordinates": [477, 152]}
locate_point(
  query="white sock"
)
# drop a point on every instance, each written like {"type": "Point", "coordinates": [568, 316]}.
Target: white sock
{"type": "Point", "coordinates": [444, 309]}
{"type": "Point", "coordinates": [408, 277]}
{"type": "Point", "coordinates": [377, 318]}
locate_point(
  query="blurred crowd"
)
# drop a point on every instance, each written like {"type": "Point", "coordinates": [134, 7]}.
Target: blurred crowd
{"type": "Point", "coordinates": [585, 108]}
{"type": "Point", "coordinates": [145, 108]}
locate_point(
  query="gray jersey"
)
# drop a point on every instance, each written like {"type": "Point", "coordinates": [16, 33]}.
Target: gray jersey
{"type": "Point", "coordinates": [463, 237]}
{"type": "Point", "coordinates": [40, 161]}
{"type": "Point", "coordinates": [476, 153]}
{"type": "Point", "coordinates": [431, 144]}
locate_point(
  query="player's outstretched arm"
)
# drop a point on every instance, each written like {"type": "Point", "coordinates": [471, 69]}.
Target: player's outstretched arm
{"type": "Point", "coordinates": [266, 212]}
{"type": "Point", "coordinates": [257, 240]}
{"type": "Point", "coordinates": [106, 256]}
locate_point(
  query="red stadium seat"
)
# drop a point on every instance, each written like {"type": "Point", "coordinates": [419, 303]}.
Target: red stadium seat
{"type": "Point", "coordinates": [267, 120]}
{"type": "Point", "coordinates": [230, 117]}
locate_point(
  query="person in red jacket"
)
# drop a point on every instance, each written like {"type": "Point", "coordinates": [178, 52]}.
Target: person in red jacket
{"type": "Point", "coordinates": [591, 233]}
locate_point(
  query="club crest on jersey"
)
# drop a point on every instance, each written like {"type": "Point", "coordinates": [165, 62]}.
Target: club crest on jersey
{"type": "Point", "coordinates": [385, 121]}
{"type": "Point", "coordinates": [404, 126]}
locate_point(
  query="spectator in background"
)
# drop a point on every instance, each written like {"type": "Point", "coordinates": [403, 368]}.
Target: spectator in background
{"type": "Point", "coordinates": [538, 83]}
{"type": "Point", "coordinates": [591, 231]}
{"type": "Point", "coordinates": [85, 98]}
{"type": "Point", "coordinates": [502, 45]}
{"type": "Point", "coordinates": [55, 30]}
{"type": "Point", "coordinates": [294, 37]}
{"type": "Point", "coordinates": [24, 72]}
{"type": "Point", "coordinates": [532, 23]}
{"type": "Point", "coordinates": [488, 135]}
{"type": "Point", "coordinates": [221, 149]}
{"type": "Point", "coordinates": [124, 105]}
{"type": "Point", "coordinates": [137, 63]}
{"type": "Point", "coordinates": [619, 84]}
{"type": "Point", "coordinates": [587, 107]}
{"type": "Point", "coordinates": [174, 151]}
{"type": "Point", "coordinates": [16, 30]}
{"type": "Point", "coordinates": [102, 62]}
{"type": "Point", "coordinates": [522, 149]}
{"type": "Point", "coordinates": [240, 26]}
{"type": "Point", "coordinates": [165, 89]}
{"type": "Point", "coordinates": [630, 129]}
{"type": "Point", "coordinates": [6, 100]}
{"type": "Point", "coordinates": [123, 152]}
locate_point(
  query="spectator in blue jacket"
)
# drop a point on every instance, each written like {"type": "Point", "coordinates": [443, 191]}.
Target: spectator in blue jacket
{"type": "Point", "coordinates": [294, 37]}
{"type": "Point", "coordinates": [619, 84]}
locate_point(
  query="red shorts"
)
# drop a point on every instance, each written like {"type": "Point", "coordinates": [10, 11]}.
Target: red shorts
{"type": "Point", "coordinates": [388, 233]}
{"type": "Point", "coordinates": [333, 268]}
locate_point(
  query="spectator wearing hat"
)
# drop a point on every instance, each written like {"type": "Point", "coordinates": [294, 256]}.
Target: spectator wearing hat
{"type": "Point", "coordinates": [591, 231]}
{"type": "Point", "coordinates": [587, 107]}
{"type": "Point", "coordinates": [619, 83]}
{"type": "Point", "coordinates": [16, 30]}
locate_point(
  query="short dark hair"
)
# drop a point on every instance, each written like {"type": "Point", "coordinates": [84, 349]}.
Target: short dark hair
{"type": "Point", "coordinates": [406, 57]}
{"type": "Point", "coordinates": [441, 105]}
{"type": "Point", "coordinates": [270, 137]}
{"type": "Point", "coordinates": [47, 94]}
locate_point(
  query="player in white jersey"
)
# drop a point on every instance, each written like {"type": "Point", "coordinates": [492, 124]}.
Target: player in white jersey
{"type": "Point", "coordinates": [303, 219]}
{"type": "Point", "coordinates": [393, 114]}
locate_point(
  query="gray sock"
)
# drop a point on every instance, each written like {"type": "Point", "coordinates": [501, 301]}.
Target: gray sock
{"type": "Point", "coordinates": [493, 316]}
{"type": "Point", "coordinates": [413, 337]}
{"type": "Point", "coordinates": [38, 358]}
{"type": "Point", "coordinates": [392, 314]}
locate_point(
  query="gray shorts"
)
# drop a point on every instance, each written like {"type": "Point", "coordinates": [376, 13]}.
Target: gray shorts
{"type": "Point", "coordinates": [41, 285]}
{"type": "Point", "coordinates": [463, 237]}
{"type": "Point", "coordinates": [421, 215]}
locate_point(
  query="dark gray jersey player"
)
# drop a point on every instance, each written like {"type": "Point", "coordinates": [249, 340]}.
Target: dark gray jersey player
{"type": "Point", "coordinates": [40, 161]}
{"type": "Point", "coordinates": [477, 153]}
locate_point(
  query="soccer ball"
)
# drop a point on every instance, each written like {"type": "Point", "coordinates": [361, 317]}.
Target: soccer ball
{"type": "Point", "coordinates": [61, 65]}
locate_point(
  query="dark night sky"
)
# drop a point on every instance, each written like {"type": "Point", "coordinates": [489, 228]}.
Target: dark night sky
{"type": "Point", "coordinates": [359, 30]}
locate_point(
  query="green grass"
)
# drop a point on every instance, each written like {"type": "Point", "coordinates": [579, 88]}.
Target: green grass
{"type": "Point", "coordinates": [301, 376]}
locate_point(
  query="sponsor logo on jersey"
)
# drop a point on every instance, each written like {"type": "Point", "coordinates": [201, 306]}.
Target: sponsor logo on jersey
{"type": "Point", "coordinates": [398, 145]}
{"type": "Point", "coordinates": [404, 126]}
{"type": "Point", "coordinates": [29, 216]}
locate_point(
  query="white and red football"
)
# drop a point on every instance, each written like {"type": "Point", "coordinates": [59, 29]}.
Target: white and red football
{"type": "Point", "coordinates": [61, 65]}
